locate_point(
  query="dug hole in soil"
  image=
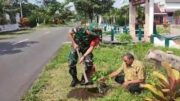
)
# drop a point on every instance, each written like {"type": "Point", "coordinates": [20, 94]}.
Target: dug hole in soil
{"type": "Point", "coordinates": [85, 93]}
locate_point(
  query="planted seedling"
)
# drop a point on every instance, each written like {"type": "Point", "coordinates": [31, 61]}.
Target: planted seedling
{"type": "Point", "coordinates": [101, 85]}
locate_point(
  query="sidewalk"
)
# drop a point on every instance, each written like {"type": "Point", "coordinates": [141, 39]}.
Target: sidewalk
{"type": "Point", "coordinates": [107, 38]}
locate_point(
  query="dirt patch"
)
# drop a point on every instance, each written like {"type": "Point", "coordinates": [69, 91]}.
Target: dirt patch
{"type": "Point", "coordinates": [85, 93]}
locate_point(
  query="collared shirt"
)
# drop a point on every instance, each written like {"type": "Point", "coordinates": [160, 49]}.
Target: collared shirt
{"type": "Point", "coordinates": [133, 72]}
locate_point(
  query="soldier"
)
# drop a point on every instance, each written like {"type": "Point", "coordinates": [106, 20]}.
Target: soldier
{"type": "Point", "coordinates": [84, 39]}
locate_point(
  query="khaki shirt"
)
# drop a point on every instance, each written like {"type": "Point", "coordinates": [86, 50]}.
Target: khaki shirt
{"type": "Point", "coordinates": [133, 72]}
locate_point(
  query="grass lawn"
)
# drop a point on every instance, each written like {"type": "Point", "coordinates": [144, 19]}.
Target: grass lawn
{"type": "Point", "coordinates": [53, 82]}
{"type": "Point", "coordinates": [13, 34]}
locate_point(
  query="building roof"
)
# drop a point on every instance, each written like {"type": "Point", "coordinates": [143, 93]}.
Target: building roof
{"type": "Point", "coordinates": [156, 9]}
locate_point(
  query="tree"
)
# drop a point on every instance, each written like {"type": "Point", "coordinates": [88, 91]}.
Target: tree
{"type": "Point", "coordinates": [47, 2]}
{"type": "Point", "coordinates": [28, 9]}
{"type": "Point", "coordinates": [117, 16]}
{"type": "Point", "coordinates": [15, 2]}
{"type": "Point", "coordinates": [51, 12]}
{"type": "Point", "coordinates": [2, 16]}
{"type": "Point", "coordinates": [11, 10]}
{"type": "Point", "coordinates": [1, 8]}
{"type": "Point", "coordinates": [89, 8]}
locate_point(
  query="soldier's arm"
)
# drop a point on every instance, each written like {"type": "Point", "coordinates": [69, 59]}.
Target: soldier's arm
{"type": "Point", "coordinates": [90, 49]}
{"type": "Point", "coordinates": [117, 72]}
{"type": "Point", "coordinates": [113, 74]}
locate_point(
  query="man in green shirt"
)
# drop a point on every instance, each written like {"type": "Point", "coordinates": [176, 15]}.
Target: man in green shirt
{"type": "Point", "coordinates": [133, 74]}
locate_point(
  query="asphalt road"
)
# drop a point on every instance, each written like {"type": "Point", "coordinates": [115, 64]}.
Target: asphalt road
{"type": "Point", "coordinates": [23, 58]}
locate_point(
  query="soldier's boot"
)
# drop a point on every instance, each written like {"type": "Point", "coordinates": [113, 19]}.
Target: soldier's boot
{"type": "Point", "coordinates": [73, 73]}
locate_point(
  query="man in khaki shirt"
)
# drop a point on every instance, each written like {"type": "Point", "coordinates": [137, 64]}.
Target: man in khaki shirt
{"type": "Point", "coordinates": [133, 74]}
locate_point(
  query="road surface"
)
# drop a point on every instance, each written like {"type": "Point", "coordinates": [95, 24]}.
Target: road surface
{"type": "Point", "coordinates": [23, 58]}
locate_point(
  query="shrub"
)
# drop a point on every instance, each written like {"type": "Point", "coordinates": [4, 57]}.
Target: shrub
{"type": "Point", "coordinates": [24, 22]}
{"type": "Point", "coordinates": [162, 29]}
{"type": "Point", "coordinates": [3, 20]}
{"type": "Point", "coordinates": [166, 24]}
{"type": "Point", "coordinates": [168, 88]}
{"type": "Point", "coordinates": [124, 38]}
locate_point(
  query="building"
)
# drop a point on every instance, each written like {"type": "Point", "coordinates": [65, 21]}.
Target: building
{"type": "Point", "coordinates": [166, 12]}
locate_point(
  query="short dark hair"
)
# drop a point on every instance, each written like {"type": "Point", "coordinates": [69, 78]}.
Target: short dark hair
{"type": "Point", "coordinates": [129, 56]}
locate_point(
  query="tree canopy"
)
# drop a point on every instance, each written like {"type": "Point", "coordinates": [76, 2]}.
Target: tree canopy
{"type": "Point", "coordinates": [90, 8]}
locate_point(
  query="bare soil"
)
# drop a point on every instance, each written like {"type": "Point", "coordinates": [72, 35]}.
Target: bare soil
{"type": "Point", "coordinates": [84, 93]}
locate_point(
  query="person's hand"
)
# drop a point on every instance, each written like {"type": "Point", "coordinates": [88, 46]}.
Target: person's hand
{"type": "Point", "coordinates": [75, 46]}
{"type": "Point", "coordinates": [125, 84]}
{"type": "Point", "coordinates": [81, 60]}
{"type": "Point", "coordinates": [87, 31]}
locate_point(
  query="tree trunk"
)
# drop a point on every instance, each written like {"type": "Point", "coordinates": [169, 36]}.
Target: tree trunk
{"type": "Point", "coordinates": [97, 18]}
{"type": "Point", "coordinates": [91, 17]}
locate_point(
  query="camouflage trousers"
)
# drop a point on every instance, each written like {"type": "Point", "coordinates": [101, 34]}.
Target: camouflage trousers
{"type": "Point", "coordinates": [73, 59]}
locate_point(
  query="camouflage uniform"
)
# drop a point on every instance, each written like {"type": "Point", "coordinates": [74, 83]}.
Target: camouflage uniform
{"type": "Point", "coordinates": [83, 40]}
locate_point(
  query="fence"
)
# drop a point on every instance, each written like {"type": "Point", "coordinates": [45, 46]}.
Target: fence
{"type": "Point", "coordinates": [9, 27]}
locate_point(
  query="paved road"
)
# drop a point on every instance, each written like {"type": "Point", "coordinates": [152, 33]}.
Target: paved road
{"type": "Point", "coordinates": [22, 59]}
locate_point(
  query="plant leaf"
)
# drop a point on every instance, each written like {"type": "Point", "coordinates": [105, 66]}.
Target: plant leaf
{"type": "Point", "coordinates": [155, 91]}
{"type": "Point", "coordinates": [176, 74]}
{"type": "Point", "coordinates": [163, 80]}
{"type": "Point", "coordinates": [149, 99]}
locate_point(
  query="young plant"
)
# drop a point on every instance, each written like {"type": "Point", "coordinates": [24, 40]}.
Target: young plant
{"type": "Point", "coordinates": [98, 75]}
{"type": "Point", "coordinates": [101, 85]}
{"type": "Point", "coordinates": [168, 87]}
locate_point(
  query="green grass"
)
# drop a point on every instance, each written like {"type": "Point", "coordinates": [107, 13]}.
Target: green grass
{"type": "Point", "coordinates": [16, 32]}
{"type": "Point", "coordinates": [163, 30]}
{"type": "Point", "coordinates": [13, 34]}
{"type": "Point", "coordinates": [53, 82]}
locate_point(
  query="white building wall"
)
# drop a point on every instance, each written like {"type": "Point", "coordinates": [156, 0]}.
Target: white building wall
{"type": "Point", "coordinates": [9, 27]}
{"type": "Point", "coordinates": [172, 6]}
